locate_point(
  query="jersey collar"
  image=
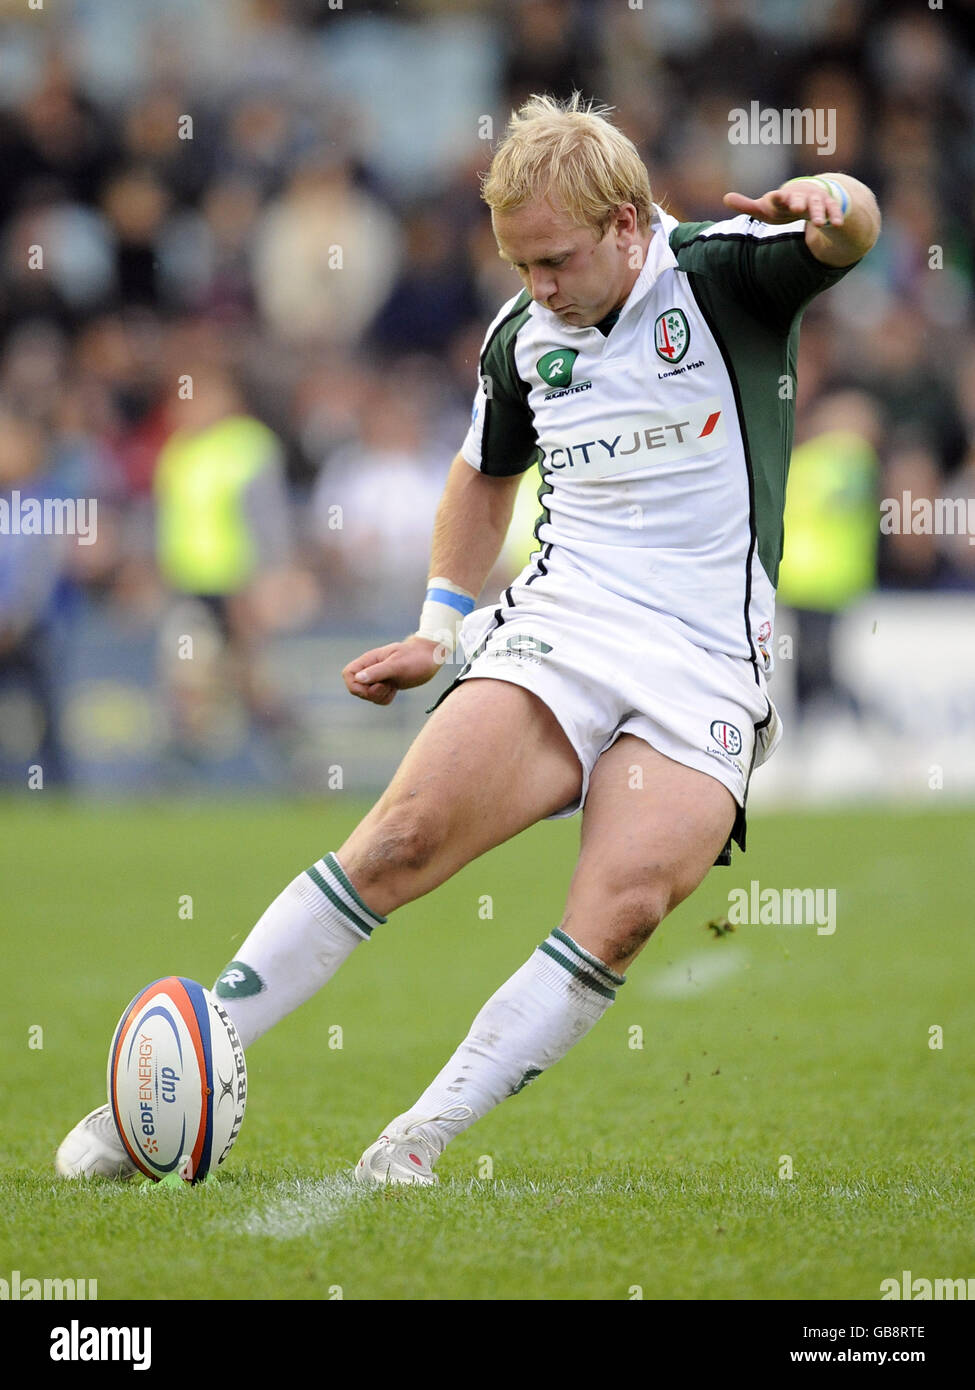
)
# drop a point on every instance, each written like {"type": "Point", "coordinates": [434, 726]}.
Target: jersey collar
{"type": "Point", "coordinates": [659, 258]}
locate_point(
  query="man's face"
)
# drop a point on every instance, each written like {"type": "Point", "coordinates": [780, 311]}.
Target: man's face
{"type": "Point", "coordinates": [570, 269]}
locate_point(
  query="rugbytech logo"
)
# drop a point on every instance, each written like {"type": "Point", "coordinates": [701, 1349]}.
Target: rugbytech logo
{"type": "Point", "coordinates": [555, 368]}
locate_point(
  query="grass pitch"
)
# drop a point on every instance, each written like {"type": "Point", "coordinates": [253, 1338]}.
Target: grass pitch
{"type": "Point", "coordinates": [658, 1170]}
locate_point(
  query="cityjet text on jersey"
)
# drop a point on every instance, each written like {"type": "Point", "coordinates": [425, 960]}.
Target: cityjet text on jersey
{"type": "Point", "coordinates": [636, 441]}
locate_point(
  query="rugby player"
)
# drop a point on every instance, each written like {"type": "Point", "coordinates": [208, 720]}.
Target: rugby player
{"type": "Point", "coordinates": [648, 368]}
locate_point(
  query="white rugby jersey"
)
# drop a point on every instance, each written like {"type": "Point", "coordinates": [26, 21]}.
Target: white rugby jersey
{"type": "Point", "coordinates": [664, 442]}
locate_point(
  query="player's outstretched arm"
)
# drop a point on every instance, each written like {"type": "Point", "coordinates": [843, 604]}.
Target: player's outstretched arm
{"type": "Point", "coordinates": [841, 214]}
{"type": "Point", "coordinates": [471, 524]}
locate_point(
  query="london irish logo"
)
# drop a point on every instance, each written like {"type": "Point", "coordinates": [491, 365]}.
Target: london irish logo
{"type": "Point", "coordinates": [727, 735]}
{"type": "Point", "coordinates": [555, 368]}
{"type": "Point", "coordinates": [671, 335]}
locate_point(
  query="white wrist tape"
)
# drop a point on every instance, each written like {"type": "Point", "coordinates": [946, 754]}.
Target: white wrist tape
{"type": "Point", "coordinates": [444, 609]}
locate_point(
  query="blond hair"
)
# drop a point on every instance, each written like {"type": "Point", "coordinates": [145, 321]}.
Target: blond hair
{"type": "Point", "coordinates": [572, 154]}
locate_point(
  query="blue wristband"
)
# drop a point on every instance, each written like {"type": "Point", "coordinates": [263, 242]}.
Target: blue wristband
{"type": "Point", "coordinates": [461, 602]}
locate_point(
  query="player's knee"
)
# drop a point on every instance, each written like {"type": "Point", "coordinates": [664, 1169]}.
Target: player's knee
{"type": "Point", "coordinates": [405, 840]}
{"type": "Point", "coordinates": [633, 914]}
{"type": "Point", "coordinates": [639, 918]}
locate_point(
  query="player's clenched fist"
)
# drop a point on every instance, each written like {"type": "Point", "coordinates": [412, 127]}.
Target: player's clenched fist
{"type": "Point", "coordinates": [377, 675]}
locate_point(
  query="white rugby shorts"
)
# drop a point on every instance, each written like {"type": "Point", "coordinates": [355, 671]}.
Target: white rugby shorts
{"type": "Point", "coordinates": [606, 666]}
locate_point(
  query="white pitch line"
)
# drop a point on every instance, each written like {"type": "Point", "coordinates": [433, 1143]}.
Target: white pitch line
{"type": "Point", "coordinates": [696, 973]}
{"type": "Point", "coordinates": [302, 1204]}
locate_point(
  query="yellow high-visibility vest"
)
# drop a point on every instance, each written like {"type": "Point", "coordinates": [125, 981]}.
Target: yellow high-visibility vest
{"type": "Point", "coordinates": [204, 541]}
{"type": "Point", "coordinates": [831, 523]}
{"type": "Point", "coordinates": [520, 543]}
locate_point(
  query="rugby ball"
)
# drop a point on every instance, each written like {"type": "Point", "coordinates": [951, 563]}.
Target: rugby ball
{"type": "Point", "coordinates": [177, 1081]}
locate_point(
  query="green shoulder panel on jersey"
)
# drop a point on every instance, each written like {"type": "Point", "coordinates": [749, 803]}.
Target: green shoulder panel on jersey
{"type": "Point", "coordinates": [509, 443]}
{"type": "Point", "coordinates": [752, 291]}
{"type": "Point", "coordinates": [773, 274]}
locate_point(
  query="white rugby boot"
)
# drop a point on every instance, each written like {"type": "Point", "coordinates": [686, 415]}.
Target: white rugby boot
{"type": "Point", "coordinates": [94, 1150]}
{"type": "Point", "coordinates": [399, 1157]}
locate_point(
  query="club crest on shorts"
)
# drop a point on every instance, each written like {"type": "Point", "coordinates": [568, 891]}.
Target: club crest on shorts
{"type": "Point", "coordinates": [671, 335]}
{"type": "Point", "coordinates": [522, 647]}
{"type": "Point", "coordinates": [727, 735]}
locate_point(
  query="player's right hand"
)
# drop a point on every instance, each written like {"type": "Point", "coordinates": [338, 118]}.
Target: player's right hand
{"type": "Point", "coordinates": [376, 675]}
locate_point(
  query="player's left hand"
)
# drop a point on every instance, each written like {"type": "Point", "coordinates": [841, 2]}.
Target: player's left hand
{"type": "Point", "coordinates": [806, 199]}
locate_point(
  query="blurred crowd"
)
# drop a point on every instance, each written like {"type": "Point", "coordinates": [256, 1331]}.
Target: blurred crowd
{"type": "Point", "coordinates": [245, 273]}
